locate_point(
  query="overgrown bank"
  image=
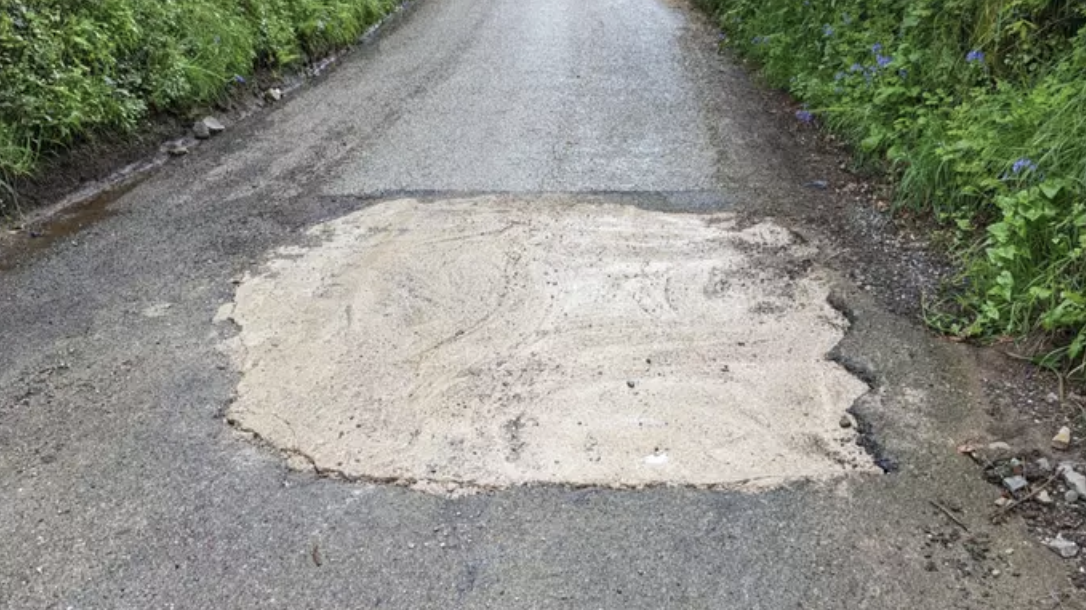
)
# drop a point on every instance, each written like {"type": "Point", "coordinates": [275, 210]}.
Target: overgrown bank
{"type": "Point", "coordinates": [72, 68]}
{"type": "Point", "coordinates": [977, 111]}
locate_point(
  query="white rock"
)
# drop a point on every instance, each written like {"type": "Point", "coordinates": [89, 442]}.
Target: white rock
{"type": "Point", "coordinates": [274, 94]}
{"type": "Point", "coordinates": [1062, 440]}
{"type": "Point", "coordinates": [1043, 497]}
{"type": "Point", "coordinates": [1062, 547]}
{"type": "Point", "coordinates": [1075, 480]}
{"type": "Point", "coordinates": [999, 446]}
{"type": "Point", "coordinates": [213, 125]}
{"type": "Point", "coordinates": [1071, 496]}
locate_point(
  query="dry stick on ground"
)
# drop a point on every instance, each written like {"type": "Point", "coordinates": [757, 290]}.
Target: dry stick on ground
{"type": "Point", "coordinates": [1039, 489]}
{"type": "Point", "coordinates": [950, 515]}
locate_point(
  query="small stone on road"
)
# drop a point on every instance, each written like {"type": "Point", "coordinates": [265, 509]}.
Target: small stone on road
{"type": "Point", "coordinates": [213, 125]}
{"type": "Point", "coordinates": [1062, 547]}
{"type": "Point", "coordinates": [1062, 440]}
{"type": "Point", "coordinates": [1075, 480]}
{"type": "Point", "coordinates": [1015, 483]}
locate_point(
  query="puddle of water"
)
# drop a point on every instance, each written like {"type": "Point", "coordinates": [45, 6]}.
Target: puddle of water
{"type": "Point", "coordinates": [33, 238]}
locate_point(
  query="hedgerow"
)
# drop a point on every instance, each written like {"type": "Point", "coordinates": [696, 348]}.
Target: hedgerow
{"type": "Point", "coordinates": [72, 68]}
{"type": "Point", "coordinates": [976, 109]}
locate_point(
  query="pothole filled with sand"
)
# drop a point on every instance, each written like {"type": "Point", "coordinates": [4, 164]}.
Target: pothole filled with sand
{"type": "Point", "coordinates": [495, 341]}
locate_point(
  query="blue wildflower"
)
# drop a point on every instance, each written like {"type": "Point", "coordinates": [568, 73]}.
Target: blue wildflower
{"type": "Point", "coordinates": [239, 79]}
{"type": "Point", "coordinates": [827, 30]}
{"type": "Point", "coordinates": [876, 48]}
{"type": "Point", "coordinates": [805, 116]}
{"type": "Point", "coordinates": [838, 76]}
{"type": "Point", "coordinates": [974, 57]}
{"type": "Point", "coordinates": [855, 68]}
{"type": "Point", "coordinates": [1022, 165]}
{"type": "Point", "coordinates": [883, 60]}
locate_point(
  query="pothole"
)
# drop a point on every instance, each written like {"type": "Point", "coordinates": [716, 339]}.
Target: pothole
{"type": "Point", "coordinates": [495, 341]}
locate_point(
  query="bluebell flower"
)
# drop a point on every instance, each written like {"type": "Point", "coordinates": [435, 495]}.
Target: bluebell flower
{"type": "Point", "coordinates": [805, 116]}
{"type": "Point", "coordinates": [883, 60]}
{"type": "Point", "coordinates": [974, 56]}
{"type": "Point", "coordinates": [239, 79]}
{"type": "Point", "coordinates": [1022, 165]}
{"type": "Point", "coordinates": [827, 30]}
{"type": "Point", "coordinates": [855, 68]}
{"type": "Point", "coordinates": [838, 76]}
{"type": "Point", "coordinates": [876, 48]}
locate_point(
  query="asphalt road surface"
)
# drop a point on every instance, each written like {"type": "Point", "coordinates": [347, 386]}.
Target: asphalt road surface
{"type": "Point", "coordinates": [637, 183]}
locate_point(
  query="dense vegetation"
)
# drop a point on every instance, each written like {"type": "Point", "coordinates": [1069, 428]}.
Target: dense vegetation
{"type": "Point", "coordinates": [70, 68]}
{"type": "Point", "coordinates": [976, 109]}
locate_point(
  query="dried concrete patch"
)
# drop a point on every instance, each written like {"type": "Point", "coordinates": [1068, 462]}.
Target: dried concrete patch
{"type": "Point", "coordinates": [492, 342]}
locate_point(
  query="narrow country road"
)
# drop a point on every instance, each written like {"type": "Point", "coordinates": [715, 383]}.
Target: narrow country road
{"type": "Point", "coordinates": [525, 305]}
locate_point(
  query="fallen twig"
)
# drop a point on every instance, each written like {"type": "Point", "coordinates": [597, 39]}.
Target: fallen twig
{"type": "Point", "coordinates": [1029, 496]}
{"type": "Point", "coordinates": [950, 515]}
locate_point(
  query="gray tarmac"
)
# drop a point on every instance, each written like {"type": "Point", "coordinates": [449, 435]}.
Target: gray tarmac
{"type": "Point", "coordinates": [122, 485]}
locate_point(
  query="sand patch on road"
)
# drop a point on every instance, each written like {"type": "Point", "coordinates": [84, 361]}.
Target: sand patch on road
{"type": "Point", "coordinates": [494, 341]}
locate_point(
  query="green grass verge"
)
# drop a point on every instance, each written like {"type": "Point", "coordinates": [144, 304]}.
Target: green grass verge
{"type": "Point", "coordinates": [71, 68]}
{"type": "Point", "coordinates": [976, 110]}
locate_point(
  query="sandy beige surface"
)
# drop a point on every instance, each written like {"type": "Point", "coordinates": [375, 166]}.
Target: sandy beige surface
{"type": "Point", "coordinates": [483, 342]}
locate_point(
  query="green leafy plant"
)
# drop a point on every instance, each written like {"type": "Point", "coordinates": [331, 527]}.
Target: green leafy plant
{"type": "Point", "coordinates": [976, 111]}
{"type": "Point", "coordinates": [72, 68]}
